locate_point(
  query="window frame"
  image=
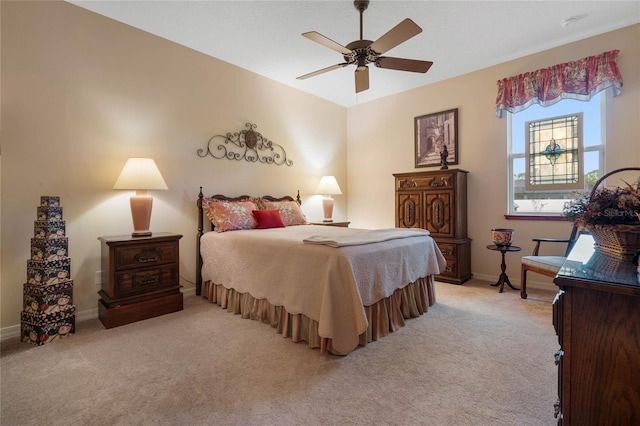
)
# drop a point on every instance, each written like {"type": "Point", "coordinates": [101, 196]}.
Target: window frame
{"type": "Point", "coordinates": [512, 157]}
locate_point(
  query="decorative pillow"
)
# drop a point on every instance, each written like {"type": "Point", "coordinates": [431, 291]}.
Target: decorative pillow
{"type": "Point", "coordinates": [289, 210]}
{"type": "Point", "coordinates": [268, 219]}
{"type": "Point", "coordinates": [230, 215]}
{"type": "Point", "coordinates": [259, 202]}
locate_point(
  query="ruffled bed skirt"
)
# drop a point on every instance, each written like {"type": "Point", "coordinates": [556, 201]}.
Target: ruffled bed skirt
{"type": "Point", "coordinates": [384, 317]}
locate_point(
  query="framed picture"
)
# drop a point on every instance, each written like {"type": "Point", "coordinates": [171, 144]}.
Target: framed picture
{"type": "Point", "coordinates": [437, 138]}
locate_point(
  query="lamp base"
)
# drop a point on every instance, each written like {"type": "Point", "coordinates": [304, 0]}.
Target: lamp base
{"type": "Point", "coordinates": [141, 234]}
{"type": "Point", "coordinates": [141, 205]}
{"type": "Point", "coordinates": [327, 208]}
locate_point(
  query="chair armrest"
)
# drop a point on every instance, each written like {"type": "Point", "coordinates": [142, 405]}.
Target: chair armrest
{"type": "Point", "coordinates": [536, 249]}
{"type": "Point", "coordinates": [551, 240]}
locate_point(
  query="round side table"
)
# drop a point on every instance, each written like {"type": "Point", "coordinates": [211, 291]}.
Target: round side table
{"type": "Point", "coordinates": [504, 279]}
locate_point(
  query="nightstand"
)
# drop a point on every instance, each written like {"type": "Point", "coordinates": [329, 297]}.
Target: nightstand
{"type": "Point", "coordinates": [142, 278]}
{"type": "Point", "coordinates": [340, 224]}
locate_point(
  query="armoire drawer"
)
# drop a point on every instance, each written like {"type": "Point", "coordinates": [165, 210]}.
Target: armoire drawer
{"type": "Point", "coordinates": [451, 270]}
{"type": "Point", "coordinates": [449, 251]}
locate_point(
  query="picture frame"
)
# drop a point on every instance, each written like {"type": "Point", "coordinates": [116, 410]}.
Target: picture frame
{"type": "Point", "coordinates": [433, 133]}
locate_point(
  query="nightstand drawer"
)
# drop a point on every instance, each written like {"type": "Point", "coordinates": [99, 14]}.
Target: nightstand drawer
{"type": "Point", "coordinates": [145, 255]}
{"type": "Point", "coordinates": [144, 280]}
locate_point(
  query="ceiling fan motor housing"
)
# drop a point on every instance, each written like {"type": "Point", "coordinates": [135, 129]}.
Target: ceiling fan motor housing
{"type": "Point", "coordinates": [360, 53]}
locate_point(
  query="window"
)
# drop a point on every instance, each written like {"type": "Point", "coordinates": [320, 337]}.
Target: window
{"type": "Point", "coordinates": [555, 153]}
{"type": "Point", "coordinates": [553, 147]}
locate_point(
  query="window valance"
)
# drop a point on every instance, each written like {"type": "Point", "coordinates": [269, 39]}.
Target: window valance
{"type": "Point", "coordinates": [579, 80]}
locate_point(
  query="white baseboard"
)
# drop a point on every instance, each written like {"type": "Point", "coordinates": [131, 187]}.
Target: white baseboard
{"type": "Point", "coordinates": [547, 285]}
{"type": "Point", "coordinates": [14, 330]}
{"type": "Point", "coordinates": [88, 314]}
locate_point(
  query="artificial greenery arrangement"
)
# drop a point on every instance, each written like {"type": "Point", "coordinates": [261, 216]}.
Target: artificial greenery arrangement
{"type": "Point", "coordinates": [606, 206]}
{"type": "Point", "coordinates": [611, 215]}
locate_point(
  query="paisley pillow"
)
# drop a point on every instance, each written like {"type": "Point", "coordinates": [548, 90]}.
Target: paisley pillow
{"type": "Point", "coordinates": [230, 215]}
{"type": "Point", "coordinates": [289, 210]}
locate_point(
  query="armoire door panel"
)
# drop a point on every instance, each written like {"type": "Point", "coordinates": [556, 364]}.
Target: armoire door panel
{"type": "Point", "coordinates": [438, 214]}
{"type": "Point", "coordinates": [410, 211]}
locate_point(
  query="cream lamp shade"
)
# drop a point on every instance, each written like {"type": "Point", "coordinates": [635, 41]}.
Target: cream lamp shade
{"type": "Point", "coordinates": [141, 175]}
{"type": "Point", "coordinates": [327, 187]}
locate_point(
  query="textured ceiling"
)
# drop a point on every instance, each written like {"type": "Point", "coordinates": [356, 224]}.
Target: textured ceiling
{"type": "Point", "coordinates": [458, 36]}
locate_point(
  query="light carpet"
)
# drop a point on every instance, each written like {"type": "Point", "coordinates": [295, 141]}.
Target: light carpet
{"type": "Point", "coordinates": [477, 357]}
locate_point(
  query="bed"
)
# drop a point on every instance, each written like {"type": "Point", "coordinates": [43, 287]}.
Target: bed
{"type": "Point", "coordinates": [334, 288]}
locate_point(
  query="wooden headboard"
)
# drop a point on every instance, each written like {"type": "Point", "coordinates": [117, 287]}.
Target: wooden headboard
{"type": "Point", "coordinates": [201, 223]}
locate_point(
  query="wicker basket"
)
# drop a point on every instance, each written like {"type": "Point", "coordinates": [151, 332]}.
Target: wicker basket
{"type": "Point", "coordinates": [605, 267]}
{"type": "Point", "coordinates": [620, 239]}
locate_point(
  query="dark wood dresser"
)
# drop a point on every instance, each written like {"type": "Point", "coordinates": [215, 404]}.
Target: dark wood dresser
{"type": "Point", "coordinates": [142, 278]}
{"type": "Point", "coordinates": [437, 201]}
{"type": "Point", "coordinates": [596, 315]}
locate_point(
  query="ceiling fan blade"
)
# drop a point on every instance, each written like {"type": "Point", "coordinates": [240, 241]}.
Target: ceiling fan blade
{"type": "Point", "coordinates": [401, 64]}
{"type": "Point", "coordinates": [362, 79]}
{"type": "Point", "coordinates": [322, 71]}
{"type": "Point", "coordinates": [396, 35]}
{"type": "Point", "coordinates": [326, 41]}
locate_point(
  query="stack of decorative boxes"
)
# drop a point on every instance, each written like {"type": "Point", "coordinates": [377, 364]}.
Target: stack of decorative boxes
{"type": "Point", "coordinates": [47, 308]}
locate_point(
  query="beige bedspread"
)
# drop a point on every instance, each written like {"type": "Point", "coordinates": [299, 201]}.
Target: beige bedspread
{"type": "Point", "coordinates": [329, 285]}
{"type": "Point", "coordinates": [357, 237]}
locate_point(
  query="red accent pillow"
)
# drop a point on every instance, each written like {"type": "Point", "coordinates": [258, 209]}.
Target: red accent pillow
{"type": "Point", "coordinates": [268, 219]}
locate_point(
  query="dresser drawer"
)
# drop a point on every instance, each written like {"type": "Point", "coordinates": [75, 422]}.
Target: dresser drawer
{"type": "Point", "coordinates": [144, 280]}
{"type": "Point", "coordinates": [434, 181]}
{"type": "Point", "coordinates": [451, 270]}
{"type": "Point", "coordinates": [449, 251]}
{"type": "Point", "coordinates": [145, 255]}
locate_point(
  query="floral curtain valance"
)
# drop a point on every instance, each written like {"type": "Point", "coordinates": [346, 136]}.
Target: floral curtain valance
{"type": "Point", "coordinates": [579, 79]}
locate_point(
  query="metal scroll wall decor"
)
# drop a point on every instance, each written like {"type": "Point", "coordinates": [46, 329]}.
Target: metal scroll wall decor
{"type": "Point", "coordinates": [247, 145]}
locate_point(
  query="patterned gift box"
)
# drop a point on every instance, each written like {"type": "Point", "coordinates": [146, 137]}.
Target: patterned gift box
{"type": "Point", "coordinates": [41, 272]}
{"type": "Point", "coordinates": [47, 299]}
{"type": "Point", "coordinates": [49, 201]}
{"type": "Point", "coordinates": [49, 213]}
{"type": "Point", "coordinates": [44, 229]}
{"type": "Point", "coordinates": [41, 318]}
{"type": "Point", "coordinates": [41, 333]}
{"type": "Point", "coordinates": [49, 250]}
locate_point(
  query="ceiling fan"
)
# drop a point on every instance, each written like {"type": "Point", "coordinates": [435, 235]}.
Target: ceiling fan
{"type": "Point", "coordinates": [362, 52]}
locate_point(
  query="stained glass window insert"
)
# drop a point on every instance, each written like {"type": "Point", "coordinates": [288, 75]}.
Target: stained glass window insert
{"type": "Point", "coordinates": [553, 152]}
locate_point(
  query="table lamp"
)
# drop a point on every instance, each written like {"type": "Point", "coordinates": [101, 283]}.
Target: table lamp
{"type": "Point", "coordinates": [328, 186]}
{"type": "Point", "coordinates": [141, 175]}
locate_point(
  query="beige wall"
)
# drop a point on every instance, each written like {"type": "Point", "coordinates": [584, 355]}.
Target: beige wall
{"type": "Point", "coordinates": [81, 93]}
{"type": "Point", "coordinates": [381, 142]}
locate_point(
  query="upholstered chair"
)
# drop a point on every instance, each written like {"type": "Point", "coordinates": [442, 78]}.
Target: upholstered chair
{"type": "Point", "coordinates": [545, 265]}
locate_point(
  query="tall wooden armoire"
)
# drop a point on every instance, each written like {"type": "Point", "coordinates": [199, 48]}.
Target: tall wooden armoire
{"type": "Point", "coordinates": [437, 201]}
